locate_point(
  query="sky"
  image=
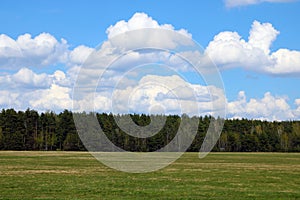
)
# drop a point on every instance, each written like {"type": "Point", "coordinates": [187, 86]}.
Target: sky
{"type": "Point", "coordinates": [254, 44]}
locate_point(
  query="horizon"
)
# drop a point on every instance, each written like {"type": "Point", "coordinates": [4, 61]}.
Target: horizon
{"type": "Point", "coordinates": [147, 115]}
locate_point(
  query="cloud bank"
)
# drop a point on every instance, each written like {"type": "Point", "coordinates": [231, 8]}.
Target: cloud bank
{"type": "Point", "coordinates": [22, 87]}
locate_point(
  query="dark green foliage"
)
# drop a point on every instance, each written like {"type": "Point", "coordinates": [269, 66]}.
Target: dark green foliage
{"type": "Point", "coordinates": [31, 130]}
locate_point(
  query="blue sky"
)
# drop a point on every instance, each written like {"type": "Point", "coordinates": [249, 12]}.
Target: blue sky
{"type": "Point", "coordinates": [85, 23]}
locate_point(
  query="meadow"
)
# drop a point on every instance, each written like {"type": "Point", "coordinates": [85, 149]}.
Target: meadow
{"type": "Point", "coordinates": [78, 175]}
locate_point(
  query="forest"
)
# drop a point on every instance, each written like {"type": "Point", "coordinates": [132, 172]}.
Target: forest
{"type": "Point", "coordinates": [49, 131]}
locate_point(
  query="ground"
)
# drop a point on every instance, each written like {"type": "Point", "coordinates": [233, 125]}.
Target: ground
{"type": "Point", "coordinates": [78, 175]}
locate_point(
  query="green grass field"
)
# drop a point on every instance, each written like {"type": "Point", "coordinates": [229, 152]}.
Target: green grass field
{"type": "Point", "coordinates": [77, 175]}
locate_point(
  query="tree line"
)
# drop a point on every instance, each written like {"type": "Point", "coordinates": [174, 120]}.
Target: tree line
{"type": "Point", "coordinates": [30, 130]}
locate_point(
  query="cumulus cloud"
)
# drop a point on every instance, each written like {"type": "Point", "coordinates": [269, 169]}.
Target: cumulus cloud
{"type": "Point", "coordinates": [297, 110]}
{"type": "Point", "coordinates": [139, 21]}
{"type": "Point", "coordinates": [141, 90]}
{"type": "Point", "coordinates": [41, 91]}
{"type": "Point", "coordinates": [167, 94]}
{"type": "Point", "coordinates": [79, 54]}
{"type": "Point", "coordinates": [10, 99]}
{"type": "Point", "coordinates": [262, 35]}
{"type": "Point", "coordinates": [9, 47]}
{"type": "Point", "coordinates": [235, 3]}
{"type": "Point", "coordinates": [121, 55]}
{"type": "Point", "coordinates": [229, 50]}
{"type": "Point", "coordinates": [27, 79]}
{"type": "Point", "coordinates": [143, 26]}
{"type": "Point", "coordinates": [27, 51]}
{"type": "Point", "coordinates": [54, 98]}
{"type": "Point", "coordinates": [269, 107]}
{"type": "Point", "coordinates": [41, 51]}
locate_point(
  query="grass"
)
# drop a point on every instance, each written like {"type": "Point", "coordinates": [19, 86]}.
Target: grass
{"type": "Point", "coordinates": [77, 175]}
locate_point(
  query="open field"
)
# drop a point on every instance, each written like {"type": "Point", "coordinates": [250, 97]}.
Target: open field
{"type": "Point", "coordinates": [77, 175]}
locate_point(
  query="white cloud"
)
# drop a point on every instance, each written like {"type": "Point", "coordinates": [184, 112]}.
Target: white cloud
{"type": "Point", "coordinates": [286, 62]}
{"type": "Point", "coordinates": [40, 51]}
{"type": "Point", "coordinates": [235, 3]}
{"type": "Point", "coordinates": [173, 94]}
{"type": "Point", "coordinates": [27, 79]}
{"type": "Point", "coordinates": [141, 93]}
{"type": "Point", "coordinates": [9, 47]}
{"type": "Point", "coordinates": [9, 99]}
{"type": "Point", "coordinates": [262, 35]}
{"type": "Point", "coordinates": [297, 110]}
{"type": "Point", "coordinates": [109, 62]}
{"type": "Point", "coordinates": [79, 54]}
{"type": "Point", "coordinates": [27, 89]}
{"type": "Point", "coordinates": [54, 98]}
{"type": "Point", "coordinates": [297, 102]}
{"type": "Point", "coordinates": [267, 108]}
{"type": "Point", "coordinates": [154, 93]}
{"type": "Point", "coordinates": [43, 50]}
{"type": "Point", "coordinates": [139, 21]}
{"type": "Point", "coordinates": [229, 50]}
{"type": "Point", "coordinates": [147, 37]}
